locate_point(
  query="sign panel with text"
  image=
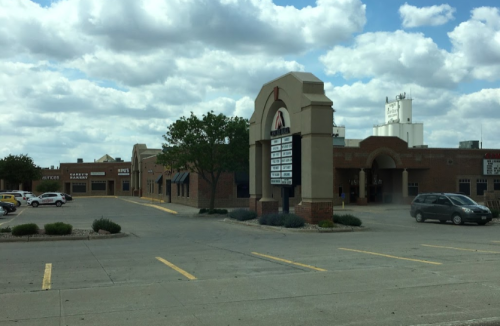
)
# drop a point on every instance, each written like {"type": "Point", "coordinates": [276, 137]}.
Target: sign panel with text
{"type": "Point", "coordinates": [285, 161]}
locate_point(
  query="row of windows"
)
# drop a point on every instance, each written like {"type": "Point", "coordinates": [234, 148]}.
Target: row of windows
{"type": "Point", "coordinates": [481, 186]}
{"type": "Point", "coordinates": [81, 187]}
{"type": "Point", "coordinates": [463, 186]}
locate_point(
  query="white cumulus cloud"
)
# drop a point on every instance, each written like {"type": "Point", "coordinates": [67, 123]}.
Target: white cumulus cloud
{"type": "Point", "coordinates": [425, 16]}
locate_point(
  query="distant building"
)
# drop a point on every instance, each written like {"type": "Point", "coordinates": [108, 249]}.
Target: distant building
{"type": "Point", "coordinates": [398, 122]}
{"type": "Point", "coordinates": [104, 177]}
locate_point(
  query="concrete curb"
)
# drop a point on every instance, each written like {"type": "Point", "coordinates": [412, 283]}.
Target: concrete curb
{"type": "Point", "coordinates": [280, 228]}
{"type": "Point", "coordinates": [61, 238]}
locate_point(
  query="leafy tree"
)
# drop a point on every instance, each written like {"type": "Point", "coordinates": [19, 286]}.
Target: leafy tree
{"type": "Point", "coordinates": [48, 185]}
{"type": "Point", "coordinates": [16, 169]}
{"type": "Point", "coordinates": [208, 146]}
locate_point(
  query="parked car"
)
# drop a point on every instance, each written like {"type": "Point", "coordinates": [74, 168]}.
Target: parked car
{"type": "Point", "coordinates": [8, 207]}
{"type": "Point", "coordinates": [8, 198]}
{"type": "Point", "coordinates": [21, 196]}
{"type": "Point", "coordinates": [67, 196]}
{"type": "Point", "coordinates": [48, 198]}
{"type": "Point", "coordinates": [449, 207]}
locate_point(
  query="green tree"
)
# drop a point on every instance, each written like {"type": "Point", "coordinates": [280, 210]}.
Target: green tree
{"type": "Point", "coordinates": [208, 146]}
{"type": "Point", "coordinates": [16, 169]}
{"type": "Point", "coordinates": [48, 185]}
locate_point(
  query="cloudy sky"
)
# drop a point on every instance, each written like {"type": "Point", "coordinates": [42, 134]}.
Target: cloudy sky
{"type": "Point", "coordinates": [82, 78]}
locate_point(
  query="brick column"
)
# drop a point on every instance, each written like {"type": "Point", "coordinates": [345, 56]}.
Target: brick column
{"type": "Point", "coordinates": [315, 212]}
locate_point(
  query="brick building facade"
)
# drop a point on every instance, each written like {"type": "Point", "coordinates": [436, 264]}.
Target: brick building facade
{"type": "Point", "coordinates": [394, 173]}
{"type": "Point", "coordinates": [186, 188]}
{"type": "Point", "coordinates": [91, 179]}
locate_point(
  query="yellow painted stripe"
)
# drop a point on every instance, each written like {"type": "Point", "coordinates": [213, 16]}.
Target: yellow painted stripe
{"type": "Point", "coordinates": [153, 199]}
{"type": "Point", "coordinates": [289, 262]}
{"type": "Point", "coordinates": [12, 219]}
{"type": "Point", "coordinates": [496, 241]}
{"type": "Point", "coordinates": [395, 257]}
{"type": "Point", "coordinates": [463, 249]}
{"type": "Point", "coordinates": [161, 208]}
{"type": "Point", "coordinates": [151, 205]}
{"type": "Point", "coordinates": [47, 276]}
{"type": "Point", "coordinates": [183, 272]}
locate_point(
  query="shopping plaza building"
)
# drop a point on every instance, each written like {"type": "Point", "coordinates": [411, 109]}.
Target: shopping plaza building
{"type": "Point", "coordinates": [392, 166]}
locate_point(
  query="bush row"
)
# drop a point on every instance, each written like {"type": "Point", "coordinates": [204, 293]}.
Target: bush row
{"type": "Point", "coordinates": [242, 214]}
{"type": "Point", "coordinates": [347, 219]}
{"type": "Point", "coordinates": [291, 220]}
{"type": "Point", "coordinates": [495, 213]}
{"type": "Point", "coordinates": [326, 224]}
{"type": "Point", "coordinates": [286, 220]}
{"type": "Point", "coordinates": [60, 228]}
{"type": "Point", "coordinates": [213, 211]}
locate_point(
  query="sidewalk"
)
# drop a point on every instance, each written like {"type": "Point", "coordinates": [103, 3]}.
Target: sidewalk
{"type": "Point", "coordinates": [188, 210]}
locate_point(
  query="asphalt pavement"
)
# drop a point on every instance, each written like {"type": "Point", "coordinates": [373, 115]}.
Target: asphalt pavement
{"type": "Point", "coordinates": [177, 268]}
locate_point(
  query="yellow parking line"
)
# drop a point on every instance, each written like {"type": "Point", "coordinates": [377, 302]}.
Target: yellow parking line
{"type": "Point", "coordinates": [395, 257]}
{"type": "Point", "coordinates": [161, 208]}
{"type": "Point", "coordinates": [496, 241]}
{"type": "Point", "coordinates": [183, 272]}
{"type": "Point", "coordinates": [47, 276]}
{"type": "Point", "coordinates": [151, 205]}
{"type": "Point", "coordinates": [12, 219]}
{"type": "Point", "coordinates": [463, 249]}
{"type": "Point", "coordinates": [153, 199]}
{"type": "Point", "coordinates": [290, 262]}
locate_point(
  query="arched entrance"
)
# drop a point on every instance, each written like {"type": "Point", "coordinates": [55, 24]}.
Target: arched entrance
{"type": "Point", "coordinates": [380, 179]}
{"type": "Point", "coordinates": [383, 176]}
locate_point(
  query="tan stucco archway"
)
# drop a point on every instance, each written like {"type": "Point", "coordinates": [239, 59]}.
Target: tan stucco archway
{"type": "Point", "coordinates": [311, 117]}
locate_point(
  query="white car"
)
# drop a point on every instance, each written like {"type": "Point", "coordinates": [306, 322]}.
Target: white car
{"type": "Point", "coordinates": [21, 196]}
{"type": "Point", "coordinates": [48, 198]}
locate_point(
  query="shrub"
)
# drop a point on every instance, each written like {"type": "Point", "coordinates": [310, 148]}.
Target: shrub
{"type": "Point", "coordinates": [213, 211]}
{"type": "Point", "coordinates": [106, 224]}
{"type": "Point", "coordinates": [275, 219]}
{"type": "Point", "coordinates": [347, 220]}
{"type": "Point", "coordinates": [58, 228]}
{"type": "Point", "coordinates": [326, 224]}
{"type": "Point", "coordinates": [263, 219]}
{"type": "Point", "coordinates": [48, 185]}
{"type": "Point", "coordinates": [6, 229]}
{"type": "Point", "coordinates": [25, 229]}
{"type": "Point", "coordinates": [293, 221]}
{"type": "Point", "coordinates": [495, 213]}
{"type": "Point", "coordinates": [242, 214]}
{"type": "Point", "coordinates": [286, 220]}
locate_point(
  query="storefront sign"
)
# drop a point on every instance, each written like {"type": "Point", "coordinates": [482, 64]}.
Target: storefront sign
{"type": "Point", "coordinates": [492, 156]}
{"type": "Point", "coordinates": [97, 173]}
{"type": "Point", "coordinates": [491, 167]}
{"type": "Point", "coordinates": [78, 175]}
{"type": "Point", "coordinates": [50, 177]}
{"type": "Point", "coordinates": [123, 171]}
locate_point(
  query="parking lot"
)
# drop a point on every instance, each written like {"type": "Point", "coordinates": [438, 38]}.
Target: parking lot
{"type": "Point", "coordinates": [181, 269]}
